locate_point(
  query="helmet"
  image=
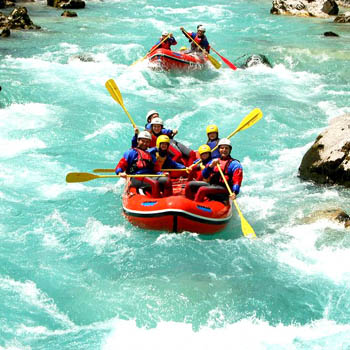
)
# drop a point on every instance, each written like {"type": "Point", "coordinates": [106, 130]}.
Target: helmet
{"type": "Point", "coordinates": [183, 48]}
{"type": "Point", "coordinates": [165, 33]}
{"type": "Point", "coordinates": [212, 128]}
{"type": "Point", "coordinates": [225, 142]}
{"type": "Point", "coordinates": [204, 149]}
{"type": "Point", "coordinates": [151, 113]}
{"type": "Point", "coordinates": [202, 28]}
{"type": "Point", "coordinates": [144, 135]}
{"type": "Point", "coordinates": [157, 121]}
{"type": "Point", "coordinates": [161, 139]}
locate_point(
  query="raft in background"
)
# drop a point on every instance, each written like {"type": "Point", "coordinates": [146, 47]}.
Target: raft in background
{"type": "Point", "coordinates": [170, 60]}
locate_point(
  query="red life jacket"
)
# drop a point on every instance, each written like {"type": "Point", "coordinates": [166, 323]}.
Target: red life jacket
{"type": "Point", "coordinates": [216, 178]}
{"type": "Point", "coordinates": [142, 161]}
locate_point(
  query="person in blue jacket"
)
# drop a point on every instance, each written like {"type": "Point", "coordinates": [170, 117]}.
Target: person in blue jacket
{"type": "Point", "coordinates": [199, 37]}
{"type": "Point", "coordinates": [138, 160]}
{"type": "Point", "coordinates": [161, 153]}
{"type": "Point", "coordinates": [231, 168]}
{"type": "Point", "coordinates": [213, 139]}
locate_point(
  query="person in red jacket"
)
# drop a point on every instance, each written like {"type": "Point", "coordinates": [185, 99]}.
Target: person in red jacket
{"type": "Point", "coordinates": [166, 44]}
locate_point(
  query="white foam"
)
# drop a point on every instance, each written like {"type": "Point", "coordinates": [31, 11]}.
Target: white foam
{"type": "Point", "coordinates": [246, 334]}
{"type": "Point", "coordinates": [31, 294]}
{"type": "Point", "coordinates": [27, 116]}
{"type": "Point", "coordinates": [99, 235]}
{"type": "Point", "coordinates": [12, 147]}
{"type": "Point", "coordinates": [108, 129]}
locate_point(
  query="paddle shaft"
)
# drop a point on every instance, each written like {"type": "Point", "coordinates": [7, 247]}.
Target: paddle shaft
{"type": "Point", "coordinates": [84, 177]}
{"type": "Point", "coordinates": [246, 228]}
{"type": "Point", "coordinates": [230, 64]}
{"type": "Point", "coordinates": [149, 52]}
{"type": "Point", "coordinates": [213, 61]}
{"type": "Point", "coordinates": [113, 170]}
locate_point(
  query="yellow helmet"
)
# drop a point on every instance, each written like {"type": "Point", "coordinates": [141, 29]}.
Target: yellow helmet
{"type": "Point", "coordinates": [212, 128]}
{"type": "Point", "coordinates": [161, 139]}
{"type": "Point", "coordinates": [183, 48]}
{"type": "Point", "coordinates": [203, 149]}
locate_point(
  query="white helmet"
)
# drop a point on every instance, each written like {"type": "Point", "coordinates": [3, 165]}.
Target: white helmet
{"type": "Point", "coordinates": [165, 33]}
{"type": "Point", "coordinates": [144, 135]}
{"type": "Point", "coordinates": [202, 28]}
{"type": "Point", "coordinates": [150, 113]}
{"type": "Point", "coordinates": [157, 121]}
{"type": "Point", "coordinates": [225, 142]}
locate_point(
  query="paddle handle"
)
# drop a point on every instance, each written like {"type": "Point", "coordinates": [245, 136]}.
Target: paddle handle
{"type": "Point", "coordinates": [113, 170]}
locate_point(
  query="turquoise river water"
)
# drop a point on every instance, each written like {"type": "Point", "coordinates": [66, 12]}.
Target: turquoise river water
{"type": "Point", "coordinates": [75, 275]}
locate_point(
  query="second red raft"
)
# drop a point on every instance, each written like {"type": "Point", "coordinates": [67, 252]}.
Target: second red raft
{"type": "Point", "coordinates": [171, 60]}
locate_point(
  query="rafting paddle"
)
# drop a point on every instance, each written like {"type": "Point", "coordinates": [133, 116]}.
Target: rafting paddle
{"type": "Point", "coordinates": [213, 61]}
{"type": "Point", "coordinates": [246, 228]}
{"type": "Point", "coordinates": [113, 170]}
{"type": "Point", "coordinates": [117, 96]}
{"type": "Point", "coordinates": [230, 64]}
{"type": "Point", "coordinates": [84, 177]}
{"type": "Point", "coordinates": [149, 52]}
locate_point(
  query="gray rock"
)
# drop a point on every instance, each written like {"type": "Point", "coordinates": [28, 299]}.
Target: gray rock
{"type": "Point", "coordinates": [305, 8]}
{"type": "Point", "coordinates": [328, 159]}
{"type": "Point", "coordinates": [333, 214]}
{"type": "Point", "coordinates": [330, 34]}
{"type": "Point", "coordinates": [67, 13]}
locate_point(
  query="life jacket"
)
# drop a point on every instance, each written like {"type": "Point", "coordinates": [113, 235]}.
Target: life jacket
{"type": "Point", "coordinates": [198, 40]}
{"type": "Point", "coordinates": [160, 160]}
{"type": "Point", "coordinates": [142, 161]}
{"type": "Point", "coordinates": [216, 178]}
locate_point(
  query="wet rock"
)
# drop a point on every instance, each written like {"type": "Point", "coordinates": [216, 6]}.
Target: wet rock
{"type": "Point", "coordinates": [4, 33]}
{"type": "Point", "coordinates": [330, 34]}
{"type": "Point", "coordinates": [247, 61]}
{"type": "Point", "coordinates": [305, 8]}
{"type": "Point", "coordinates": [328, 159]}
{"type": "Point", "coordinates": [69, 14]}
{"type": "Point", "coordinates": [2, 4]}
{"type": "Point", "coordinates": [84, 57]}
{"type": "Point", "coordinates": [343, 18]}
{"type": "Point", "coordinates": [18, 19]}
{"type": "Point", "coordinates": [344, 3]}
{"type": "Point", "coordinates": [66, 4]}
{"type": "Point", "coordinates": [337, 215]}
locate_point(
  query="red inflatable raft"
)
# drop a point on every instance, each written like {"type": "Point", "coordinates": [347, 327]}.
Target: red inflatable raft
{"type": "Point", "coordinates": [177, 212]}
{"type": "Point", "coordinates": [170, 60]}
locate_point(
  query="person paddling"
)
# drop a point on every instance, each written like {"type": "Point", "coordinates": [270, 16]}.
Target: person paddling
{"type": "Point", "coordinates": [231, 168]}
{"type": "Point", "coordinates": [138, 160]}
{"type": "Point", "coordinates": [213, 139]}
{"type": "Point", "coordinates": [166, 44]}
{"type": "Point", "coordinates": [199, 37]}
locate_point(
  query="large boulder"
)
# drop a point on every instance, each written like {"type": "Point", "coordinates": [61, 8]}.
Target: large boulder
{"type": "Point", "coordinates": [343, 18]}
{"type": "Point", "coordinates": [18, 19]}
{"type": "Point", "coordinates": [305, 8]}
{"type": "Point", "coordinates": [328, 159]}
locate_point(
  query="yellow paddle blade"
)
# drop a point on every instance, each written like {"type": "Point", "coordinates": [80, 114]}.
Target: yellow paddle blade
{"type": "Point", "coordinates": [246, 228]}
{"type": "Point", "coordinates": [80, 177]}
{"type": "Point", "coordinates": [114, 91]}
{"type": "Point", "coordinates": [214, 62]}
{"type": "Point", "coordinates": [254, 116]}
